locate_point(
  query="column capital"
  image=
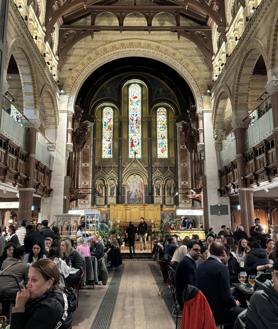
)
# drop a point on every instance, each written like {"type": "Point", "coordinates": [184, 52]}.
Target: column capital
{"type": "Point", "coordinates": [240, 119]}
{"type": "Point", "coordinates": [272, 83]}
{"type": "Point", "coordinates": [219, 134]}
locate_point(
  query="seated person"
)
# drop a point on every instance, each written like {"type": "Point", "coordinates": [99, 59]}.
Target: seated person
{"type": "Point", "coordinates": [179, 255]}
{"type": "Point", "coordinates": [97, 247]}
{"type": "Point", "coordinates": [40, 305]}
{"type": "Point", "coordinates": [35, 254]}
{"type": "Point", "coordinates": [263, 309]}
{"type": "Point", "coordinates": [8, 252]}
{"type": "Point", "coordinates": [64, 269]}
{"type": "Point", "coordinates": [73, 259]}
{"type": "Point", "coordinates": [256, 260]}
{"type": "Point", "coordinates": [170, 248]}
{"type": "Point", "coordinates": [83, 247]}
{"type": "Point", "coordinates": [12, 265]}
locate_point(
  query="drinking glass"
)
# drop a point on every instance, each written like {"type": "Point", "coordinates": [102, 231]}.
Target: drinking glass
{"type": "Point", "coordinates": [251, 280]}
{"type": "Point", "coordinates": [242, 277]}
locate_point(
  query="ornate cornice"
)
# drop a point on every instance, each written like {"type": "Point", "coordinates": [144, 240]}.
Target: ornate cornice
{"type": "Point", "coordinates": [22, 30]}
{"type": "Point", "coordinates": [232, 60]}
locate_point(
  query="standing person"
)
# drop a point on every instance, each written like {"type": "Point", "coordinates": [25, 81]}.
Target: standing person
{"type": "Point", "coordinates": [186, 272]}
{"type": "Point", "coordinates": [46, 230]}
{"type": "Point", "coordinates": [2, 242]}
{"type": "Point", "coordinates": [12, 236]}
{"type": "Point", "coordinates": [130, 231]}
{"type": "Point", "coordinates": [21, 232]}
{"type": "Point", "coordinates": [214, 282]}
{"type": "Point", "coordinates": [142, 231]}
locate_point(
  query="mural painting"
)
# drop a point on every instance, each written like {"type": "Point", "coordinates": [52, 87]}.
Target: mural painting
{"type": "Point", "coordinates": [135, 189]}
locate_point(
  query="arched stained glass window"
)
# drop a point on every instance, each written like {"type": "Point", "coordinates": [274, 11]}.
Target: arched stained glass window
{"type": "Point", "coordinates": [135, 121]}
{"type": "Point", "coordinates": [107, 133]}
{"type": "Point", "coordinates": [162, 133]}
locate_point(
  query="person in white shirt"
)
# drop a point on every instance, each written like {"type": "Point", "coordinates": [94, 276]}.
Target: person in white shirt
{"type": "Point", "coordinates": [21, 232]}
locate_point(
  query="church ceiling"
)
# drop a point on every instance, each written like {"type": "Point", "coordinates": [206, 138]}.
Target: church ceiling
{"type": "Point", "coordinates": [191, 19]}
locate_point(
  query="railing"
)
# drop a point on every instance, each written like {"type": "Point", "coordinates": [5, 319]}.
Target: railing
{"type": "Point", "coordinates": [42, 153]}
{"type": "Point", "coordinates": [228, 152]}
{"type": "Point", "coordinates": [260, 129]}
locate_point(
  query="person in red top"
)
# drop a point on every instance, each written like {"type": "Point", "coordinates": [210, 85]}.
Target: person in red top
{"type": "Point", "coordinates": [196, 313]}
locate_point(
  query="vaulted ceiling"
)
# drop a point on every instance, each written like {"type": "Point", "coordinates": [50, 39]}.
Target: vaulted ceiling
{"type": "Point", "coordinates": [192, 19]}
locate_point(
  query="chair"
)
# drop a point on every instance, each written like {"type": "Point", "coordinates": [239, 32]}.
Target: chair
{"type": "Point", "coordinates": [164, 264]}
{"type": "Point", "coordinates": [176, 310]}
{"type": "Point", "coordinates": [77, 286]}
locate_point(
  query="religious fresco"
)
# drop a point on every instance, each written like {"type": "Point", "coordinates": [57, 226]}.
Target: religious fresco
{"type": "Point", "coordinates": [107, 133]}
{"type": "Point", "coordinates": [135, 121]}
{"type": "Point", "coordinates": [135, 189]}
{"type": "Point", "coordinates": [162, 133]}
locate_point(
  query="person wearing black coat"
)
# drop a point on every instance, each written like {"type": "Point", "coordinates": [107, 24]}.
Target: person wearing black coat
{"type": "Point", "coordinates": [214, 282]}
{"type": "Point", "coordinates": [31, 238]}
{"type": "Point", "coordinates": [46, 231]}
{"type": "Point", "coordinates": [186, 272]}
{"type": "Point", "coordinates": [256, 259]}
{"type": "Point", "coordinates": [130, 231]}
{"type": "Point", "coordinates": [40, 305]}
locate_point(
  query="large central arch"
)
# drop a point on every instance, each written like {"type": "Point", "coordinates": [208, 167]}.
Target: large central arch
{"type": "Point", "coordinates": [130, 48]}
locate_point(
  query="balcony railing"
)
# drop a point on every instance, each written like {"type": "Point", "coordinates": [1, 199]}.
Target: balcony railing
{"type": "Point", "coordinates": [42, 153]}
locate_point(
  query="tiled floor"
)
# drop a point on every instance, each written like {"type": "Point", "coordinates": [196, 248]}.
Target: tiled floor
{"type": "Point", "coordinates": [138, 304]}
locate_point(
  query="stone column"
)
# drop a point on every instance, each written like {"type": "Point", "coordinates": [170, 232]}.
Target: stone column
{"type": "Point", "coordinates": [245, 195]}
{"type": "Point", "coordinates": [55, 203]}
{"type": "Point", "coordinates": [272, 89]}
{"type": "Point", "coordinates": [184, 171]}
{"type": "Point", "coordinates": [211, 179]}
{"type": "Point", "coordinates": [26, 193]}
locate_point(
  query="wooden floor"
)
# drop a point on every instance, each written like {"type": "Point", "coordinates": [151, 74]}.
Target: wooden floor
{"type": "Point", "coordinates": [138, 303]}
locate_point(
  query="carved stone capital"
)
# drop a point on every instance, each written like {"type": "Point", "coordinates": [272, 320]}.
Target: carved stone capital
{"type": "Point", "coordinates": [240, 119]}
{"type": "Point", "coordinates": [272, 83]}
{"type": "Point", "coordinates": [219, 134]}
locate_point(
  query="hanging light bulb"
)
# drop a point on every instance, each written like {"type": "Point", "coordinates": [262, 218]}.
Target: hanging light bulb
{"type": "Point", "coordinates": [85, 4]}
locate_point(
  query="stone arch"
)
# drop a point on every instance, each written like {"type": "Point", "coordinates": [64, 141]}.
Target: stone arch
{"type": "Point", "coordinates": [241, 86]}
{"type": "Point", "coordinates": [27, 78]}
{"type": "Point", "coordinates": [222, 103]}
{"type": "Point", "coordinates": [48, 112]}
{"type": "Point", "coordinates": [134, 47]}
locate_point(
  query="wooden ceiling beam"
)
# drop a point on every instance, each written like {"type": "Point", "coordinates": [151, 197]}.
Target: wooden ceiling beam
{"type": "Point", "coordinates": [56, 10]}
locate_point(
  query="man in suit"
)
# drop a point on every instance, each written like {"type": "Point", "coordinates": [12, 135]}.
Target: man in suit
{"type": "Point", "coordinates": [214, 282]}
{"type": "Point", "coordinates": [186, 270]}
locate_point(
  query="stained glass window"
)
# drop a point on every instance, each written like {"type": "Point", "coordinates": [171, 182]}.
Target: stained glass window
{"type": "Point", "coordinates": [135, 121]}
{"type": "Point", "coordinates": [107, 133]}
{"type": "Point", "coordinates": [162, 133]}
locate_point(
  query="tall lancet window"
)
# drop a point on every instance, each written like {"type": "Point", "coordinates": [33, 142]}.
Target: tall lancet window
{"type": "Point", "coordinates": [135, 121]}
{"type": "Point", "coordinates": [162, 133]}
{"type": "Point", "coordinates": [107, 133]}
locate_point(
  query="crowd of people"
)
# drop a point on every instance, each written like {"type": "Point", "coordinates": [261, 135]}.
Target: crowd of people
{"type": "Point", "coordinates": [214, 267]}
{"type": "Point", "coordinates": [38, 267]}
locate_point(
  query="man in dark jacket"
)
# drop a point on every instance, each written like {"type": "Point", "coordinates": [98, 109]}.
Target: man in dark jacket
{"type": "Point", "coordinates": [46, 230]}
{"type": "Point", "coordinates": [186, 270]}
{"type": "Point", "coordinates": [31, 238]}
{"type": "Point", "coordinates": [214, 282]}
{"type": "Point", "coordinates": [262, 312]}
{"type": "Point", "coordinates": [130, 231]}
{"type": "Point", "coordinates": [142, 231]}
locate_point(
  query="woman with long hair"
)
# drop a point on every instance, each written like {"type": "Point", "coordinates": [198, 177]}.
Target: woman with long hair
{"type": "Point", "coordinates": [241, 252]}
{"type": "Point", "coordinates": [35, 254]}
{"type": "Point", "coordinates": [40, 304]}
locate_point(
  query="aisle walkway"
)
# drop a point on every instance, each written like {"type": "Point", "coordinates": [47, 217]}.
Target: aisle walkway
{"type": "Point", "coordinates": [138, 305]}
{"type": "Point", "coordinates": [131, 300]}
